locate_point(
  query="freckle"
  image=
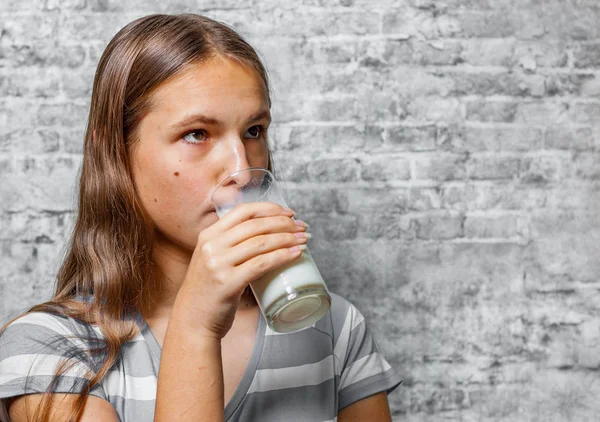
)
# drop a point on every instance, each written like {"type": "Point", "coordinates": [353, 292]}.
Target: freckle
{"type": "Point", "coordinates": [155, 200]}
{"type": "Point", "coordinates": [176, 173]}
{"type": "Point", "coordinates": [178, 226]}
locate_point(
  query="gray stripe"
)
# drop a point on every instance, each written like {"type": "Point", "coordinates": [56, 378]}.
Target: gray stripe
{"type": "Point", "coordinates": [361, 344]}
{"type": "Point", "coordinates": [136, 360]}
{"type": "Point", "coordinates": [387, 381]}
{"type": "Point", "coordinates": [40, 383]}
{"type": "Point", "coordinates": [130, 410]}
{"type": "Point", "coordinates": [20, 339]}
{"type": "Point", "coordinates": [295, 349]}
{"type": "Point", "coordinates": [311, 403]}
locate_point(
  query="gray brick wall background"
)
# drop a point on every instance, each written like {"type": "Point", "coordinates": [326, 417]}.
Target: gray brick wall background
{"type": "Point", "coordinates": [446, 154]}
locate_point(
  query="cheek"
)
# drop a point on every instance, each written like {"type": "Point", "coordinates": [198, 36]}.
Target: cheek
{"type": "Point", "coordinates": [258, 154]}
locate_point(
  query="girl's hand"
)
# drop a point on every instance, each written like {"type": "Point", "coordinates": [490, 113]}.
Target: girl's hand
{"type": "Point", "coordinates": [246, 243]}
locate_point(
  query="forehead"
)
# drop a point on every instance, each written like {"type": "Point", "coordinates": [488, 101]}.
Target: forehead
{"type": "Point", "coordinates": [216, 86]}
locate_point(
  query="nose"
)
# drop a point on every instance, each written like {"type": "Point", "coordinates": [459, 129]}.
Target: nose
{"type": "Point", "coordinates": [235, 159]}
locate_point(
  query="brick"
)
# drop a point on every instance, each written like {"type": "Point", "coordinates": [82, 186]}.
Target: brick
{"type": "Point", "coordinates": [577, 84]}
{"type": "Point", "coordinates": [585, 113]}
{"type": "Point", "coordinates": [332, 138]}
{"type": "Point", "coordinates": [394, 52]}
{"type": "Point", "coordinates": [312, 201]}
{"type": "Point", "coordinates": [332, 228]}
{"type": "Point", "coordinates": [486, 24]}
{"type": "Point", "coordinates": [425, 199]}
{"type": "Point", "coordinates": [576, 23]}
{"type": "Point", "coordinates": [491, 111]}
{"type": "Point", "coordinates": [300, 22]}
{"type": "Point", "coordinates": [90, 27]}
{"type": "Point", "coordinates": [376, 105]}
{"type": "Point", "coordinates": [564, 242]}
{"type": "Point", "coordinates": [63, 5]}
{"type": "Point", "coordinates": [413, 82]}
{"type": "Point", "coordinates": [385, 168]}
{"type": "Point", "coordinates": [373, 201]}
{"type": "Point", "coordinates": [587, 56]}
{"type": "Point", "coordinates": [79, 86]}
{"type": "Point", "coordinates": [36, 228]}
{"type": "Point", "coordinates": [411, 138]}
{"type": "Point", "coordinates": [544, 53]}
{"type": "Point", "coordinates": [497, 83]}
{"type": "Point", "coordinates": [440, 167]}
{"type": "Point", "coordinates": [67, 115]}
{"type": "Point", "coordinates": [484, 167]}
{"type": "Point", "coordinates": [156, 6]}
{"type": "Point", "coordinates": [497, 195]}
{"type": "Point", "coordinates": [72, 140]}
{"type": "Point", "coordinates": [494, 226]}
{"type": "Point", "coordinates": [541, 113]}
{"type": "Point", "coordinates": [40, 184]}
{"type": "Point", "coordinates": [575, 194]}
{"type": "Point", "coordinates": [46, 53]}
{"type": "Point", "coordinates": [587, 165]}
{"type": "Point", "coordinates": [27, 140]}
{"type": "Point", "coordinates": [318, 170]}
{"type": "Point", "coordinates": [19, 6]}
{"type": "Point", "coordinates": [435, 109]}
{"type": "Point", "coordinates": [17, 29]}
{"type": "Point", "coordinates": [488, 52]}
{"type": "Point", "coordinates": [541, 169]}
{"type": "Point", "coordinates": [31, 83]}
{"type": "Point", "coordinates": [439, 227]}
{"type": "Point", "coordinates": [437, 53]}
{"type": "Point", "coordinates": [517, 138]}
{"type": "Point", "coordinates": [386, 226]}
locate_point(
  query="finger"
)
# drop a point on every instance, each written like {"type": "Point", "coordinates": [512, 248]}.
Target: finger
{"type": "Point", "coordinates": [261, 226]}
{"type": "Point", "coordinates": [261, 245]}
{"type": "Point", "coordinates": [262, 264]}
{"type": "Point", "coordinates": [246, 211]}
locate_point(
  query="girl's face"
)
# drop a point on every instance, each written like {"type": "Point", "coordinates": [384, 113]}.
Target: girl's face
{"type": "Point", "coordinates": [204, 124]}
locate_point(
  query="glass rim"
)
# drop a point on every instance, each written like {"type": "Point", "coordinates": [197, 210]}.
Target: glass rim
{"type": "Point", "coordinates": [220, 184]}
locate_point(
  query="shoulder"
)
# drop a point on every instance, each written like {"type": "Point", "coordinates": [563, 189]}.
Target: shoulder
{"type": "Point", "coordinates": [344, 315]}
{"type": "Point", "coordinates": [43, 333]}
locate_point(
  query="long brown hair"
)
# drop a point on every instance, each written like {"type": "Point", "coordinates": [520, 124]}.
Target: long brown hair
{"type": "Point", "coordinates": [109, 257]}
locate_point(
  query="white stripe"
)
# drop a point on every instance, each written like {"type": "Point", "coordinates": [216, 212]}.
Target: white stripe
{"type": "Point", "coordinates": [331, 420]}
{"type": "Point", "coordinates": [341, 346]}
{"type": "Point", "coordinates": [295, 376]}
{"type": "Point", "coordinates": [31, 365]}
{"type": "Point", "coordinates": [362, 368]}
{"type": "Point", "coordinates": [130, 388]}
{"type": "Point", "coordinates": [51, 323]}
{"type": "Point", "coordinates": [357, 318]}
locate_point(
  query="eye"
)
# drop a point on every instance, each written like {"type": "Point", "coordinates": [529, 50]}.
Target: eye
{"type": "Point", "coordinates": [195, 137]}
{"type": "Point", "coordinates": [256, 132]}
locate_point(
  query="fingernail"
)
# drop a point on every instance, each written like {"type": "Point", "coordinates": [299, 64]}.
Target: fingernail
{"type": "Point", "coordinates": [301, 223]}
{"type": "Point", "coordinates": [301, 235]}
{"type": "Point", "coordinates": [297, 248]}
{"type": "Point", "coordinates": [289, 210]}
{"type": "Point", "coordinates": [307, 235]}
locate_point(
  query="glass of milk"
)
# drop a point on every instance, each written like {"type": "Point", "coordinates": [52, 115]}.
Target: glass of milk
{"type": "Point", "coordinates": [294, 296]}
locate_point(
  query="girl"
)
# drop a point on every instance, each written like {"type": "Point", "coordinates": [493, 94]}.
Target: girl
{"type": "Point", "coordinates": [152, 318]}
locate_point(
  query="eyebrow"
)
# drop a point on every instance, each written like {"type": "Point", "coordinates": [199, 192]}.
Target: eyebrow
{"type": "Point", "coordinates": [200, 118]}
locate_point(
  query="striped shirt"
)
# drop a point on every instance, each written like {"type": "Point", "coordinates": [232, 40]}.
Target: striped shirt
{"type": "Point", "coordinates": [309, 375]}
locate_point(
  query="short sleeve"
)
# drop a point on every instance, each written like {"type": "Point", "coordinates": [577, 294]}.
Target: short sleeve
{"type": "Point", "coordinates": [34, 347]}
{"type": "Point", "coordinates": [362, 369]}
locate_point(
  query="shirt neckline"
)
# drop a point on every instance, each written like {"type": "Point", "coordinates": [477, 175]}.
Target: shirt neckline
{"type": "Point", "coordinates": [244, 385]}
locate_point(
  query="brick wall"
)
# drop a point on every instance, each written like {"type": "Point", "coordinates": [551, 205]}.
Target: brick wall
{"type": "Point", "coordinates": [446, 154]}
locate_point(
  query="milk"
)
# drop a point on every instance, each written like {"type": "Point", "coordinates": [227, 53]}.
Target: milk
{"type": "Point", "coordinates": [299, 274]}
